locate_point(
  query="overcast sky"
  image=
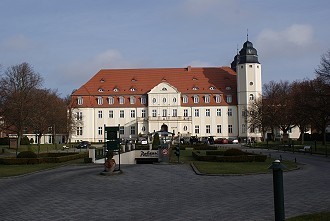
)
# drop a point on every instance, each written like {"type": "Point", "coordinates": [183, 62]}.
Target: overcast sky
{"type": "Point", "coordinates": [68, 41]}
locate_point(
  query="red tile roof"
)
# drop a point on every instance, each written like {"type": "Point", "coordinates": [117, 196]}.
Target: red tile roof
{"type": "Point", "coordinates": [138, 82]}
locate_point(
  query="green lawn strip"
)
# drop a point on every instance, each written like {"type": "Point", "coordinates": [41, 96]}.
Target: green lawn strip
{"type": "Point", "coordinates": [237, 167]}
{"type": "Point", "coordinates": [15, 170]}
{"type": "Point", "coordinates": [324, 216]}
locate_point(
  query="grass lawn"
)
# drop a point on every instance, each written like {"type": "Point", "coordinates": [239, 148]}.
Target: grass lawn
{"type": "Point", "coordinates": [14, 170]}
{"type": "Point", "coordinates": [325, 216]}
{"type": "Point", "coordinates": [230, 168]}
{"type": "Point", "coordinates": [238, 168]}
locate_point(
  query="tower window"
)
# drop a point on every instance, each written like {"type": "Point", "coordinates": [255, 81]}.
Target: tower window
{"type": "Point", "coordinates": [250, 66]}
{"type": "Point", "coordinates": [251, 83]}
{"type": "Point", "coordinates": [251, 97]}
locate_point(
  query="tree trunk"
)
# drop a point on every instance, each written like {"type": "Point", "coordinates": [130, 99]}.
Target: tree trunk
{"type": "Point", "coordinates": [39, 138]}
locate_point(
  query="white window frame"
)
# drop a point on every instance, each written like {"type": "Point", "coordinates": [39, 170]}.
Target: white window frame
{"type": "Point", "coordinates": [185, 99]}
{"type": "Point", "coordinates": [80, 101]}
{"type": "Point", "coordinates": [207, 112]}
{"type": "Point", "coordinates": [99, 100]}
{"type": "Point", "coordinates": [207, 99]}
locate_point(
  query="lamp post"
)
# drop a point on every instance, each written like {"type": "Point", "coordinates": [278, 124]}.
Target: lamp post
{"type": "Point", "coordinates": [277, 168]}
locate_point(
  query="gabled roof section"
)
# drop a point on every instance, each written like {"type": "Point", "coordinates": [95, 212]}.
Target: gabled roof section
{"type": "Point", "coordinates": [183, 79]}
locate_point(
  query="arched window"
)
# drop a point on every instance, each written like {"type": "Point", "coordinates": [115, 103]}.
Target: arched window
{"type": "Point", "coordinates": [251, 97]}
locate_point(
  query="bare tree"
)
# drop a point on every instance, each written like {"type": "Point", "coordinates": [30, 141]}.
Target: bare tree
{"type": "Point", "coordinates": [16, 88]}
{"type": "Point", "coordinates": [323, 70]}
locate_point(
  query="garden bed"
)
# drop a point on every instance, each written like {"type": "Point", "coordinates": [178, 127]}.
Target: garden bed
{"type": "Point", "coordinates": [43, 158]}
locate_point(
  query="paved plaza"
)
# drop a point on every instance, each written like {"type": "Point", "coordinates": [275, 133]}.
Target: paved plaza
{"type": "Point", "coordinates": [162, 192]}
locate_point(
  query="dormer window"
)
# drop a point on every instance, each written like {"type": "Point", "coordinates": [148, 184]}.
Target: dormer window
{"type": "Point", "coordinates": [133, 79]}
{"type": "Point", "coordinates": [185, 99]}
{"type": "Point", "coordinates": [196, 99]}
{"type": "Point", "coordinates": [80, 100]}
{"type": "Point", "coordinates": [102, 80]}
{"type": "Point", "coordinates": [143, 100]}
{"type": "Point", "coordinates": [99, 100]}
{"type": "Point", "coordinates": [228, 88]}
{"type": "Point", "coordinates": [195, 88]}
{"type": "Point", "coordinates": [194, 79]}
{"type": "Point", "coordinates": [207, 99]}
{"type": "Point", "coordinates": [229, 99]}
{"type": "Point", "coordinates": [132, 100]}
{"type": "Point", "coordinates": [164, 89]}
{"type": "Point", "coordinates": [115, 89]}
{"type": "Point", "coordinates": [212, 88]}
{"type": "Point", "coordinates": [100, 90]}
{"type": "Point", "coordinates": [121, 100]}
{"type": "Point", "coordinates": [132, 89]}
{"type": "Point", "coordinates": [111, 100]}
{"type": "Point", "coordinates": [164, 79]}
{"type": "Point", "coordinates": [217, 98]}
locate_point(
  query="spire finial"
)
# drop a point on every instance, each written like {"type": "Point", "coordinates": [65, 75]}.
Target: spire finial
{"type": "Point", "coordinates": [247, 34]}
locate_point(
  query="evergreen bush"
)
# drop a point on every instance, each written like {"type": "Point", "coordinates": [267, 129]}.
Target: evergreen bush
{"type": "Point", "coordinates": [27, 154]}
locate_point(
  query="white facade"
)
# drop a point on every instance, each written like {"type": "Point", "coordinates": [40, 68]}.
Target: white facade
{"type": "Point", "coordinates": [164, 107]}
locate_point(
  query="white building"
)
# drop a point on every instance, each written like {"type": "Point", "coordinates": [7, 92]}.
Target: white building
{"type": "Point", "coordinates": [192, 101]}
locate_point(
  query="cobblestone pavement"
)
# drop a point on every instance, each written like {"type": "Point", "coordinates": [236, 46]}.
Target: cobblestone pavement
{"type": "Point", "coordinates": [162, 192]}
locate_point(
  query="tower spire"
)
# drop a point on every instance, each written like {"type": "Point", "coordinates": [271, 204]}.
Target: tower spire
{"type": "Point", "coordinates": [247, 34]}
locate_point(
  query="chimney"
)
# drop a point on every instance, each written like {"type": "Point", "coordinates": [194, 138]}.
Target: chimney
{"type": "Point", "coordinates": [189, 68]}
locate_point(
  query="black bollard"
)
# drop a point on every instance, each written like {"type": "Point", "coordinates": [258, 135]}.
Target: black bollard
{"type": "Point", "coordinates": [277, 168]}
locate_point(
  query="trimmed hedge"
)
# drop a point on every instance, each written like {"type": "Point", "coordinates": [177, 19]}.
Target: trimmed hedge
{"type": "Point", "coordinates": [43, 158]}
{"type": "Point", "coordinates": [27, 154]}
{"type": "Point", "coordinates": [221, 158]}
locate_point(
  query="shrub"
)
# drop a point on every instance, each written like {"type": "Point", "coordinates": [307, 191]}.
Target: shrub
{"type": "Point", "coordinates": [204, 147]}
{"type": "Point", "coordinates": [214, 152]}
{"type": "Point", "coordinates": [4, 141]}
{"type": "Point", "coordinates": [25, 140]}
{"type": "Point", "coordinates": [233, 152]}
{"type": "Point", "coordinates": [27, 154]}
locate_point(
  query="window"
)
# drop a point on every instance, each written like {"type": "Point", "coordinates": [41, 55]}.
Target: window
{"type": "Point", "coordinates": [218, 98]}
{"type": "Point", "coordinates": [243, 128]}
{"type": "Point", "coordinates": [164, 100]}
{"type": "Point", "coordinates": [208, 129]}
{"type": "Point", "coordinates": [100, 114]}
{"type": "Point", "coordinates": [196, 99]}
{"type": "Point", "coordinates": [79, 115]}
{"type": "Point", "coordinates": [110, 113]}
{"type": "Point", "coordinates": [99, 100]}
{"type": "Point", "coordinates": [250, 66]}
{"type": "Point", "coordinates": [219, 129]}
{"type": "Point", "coordinates": [195, 88]}
{"type": "Point", "coordinates": [175, 112]}
{"type": "Point", "coordinates": [229, 99]}
{"type": "Point", "coordinates": [185, 128]}
{"type": "Point", "coordinates": [185, 99]}
{"type": "Point", "coordinates": [115, 89]}
{"type": "Point", "coordinates": [164, 112]}
{"type": "Point", "coordinates": [230, 129]}
{"type": "Point", "coordinates": [100, 130]}
{"type": "Point", "coordinates": [79, 131]}
{"type": "Point", "coordinates": [196, 129]}
{"type": "Point", "coordinates": [164, 89]}
{"type": "Point", "coordinates": [132, 130]}
{"type": "Point", "coordinates": [121, 100]}
{"type": "Point", "coordinates": [154, 100]}
{"type": "Point", "coordinates": [185, 112]}
{"type": "Point", "coordinates": [174, 99]}
{"type": "Point", "coordinates": [252, 130]}
{"type": "Point", "coordinates": [143, 128]}
{"type": "Point", "coordinates": [207, 98]}
{"type": "Point", "coordinates": [143, 100]}
{"type": "Point", "coordinates": [132, 89]}
{"type": "Point", "coordinates": [132, 99]}
{"type": "Point", "coordinates": [196, 112]}
{"type": "Point", "coordinates": [207, 112]}
{"type": "Point", "coordinates": [121, 114]}
{"type": "Point", "coordinates": [80, 101]}
{"type": "Point", "coordinates": [111, 100]}
{"type": "Point", "coordinates": [251, 83]}
{"type": "Point", "coordinates": [132, 113]}
{"type": "Point", "coordinates": [218, 112]}
{"type": "Point", "coordinates": [101, 90]}
{"type": "Point", "coordinates": [154, 113]}
{"type": "Point", "coordinates": [143, 113]}
{"type": "Point", "coordinates": [121, 130]}
{"type": "Point", "coordinates": [212, 88]}
{"type": "Point", "coordinates": [230, 112]}
{"type": "Point", "coordinates": [251, 97]}
{"type": "Point", "coordinates": [244, 113]}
